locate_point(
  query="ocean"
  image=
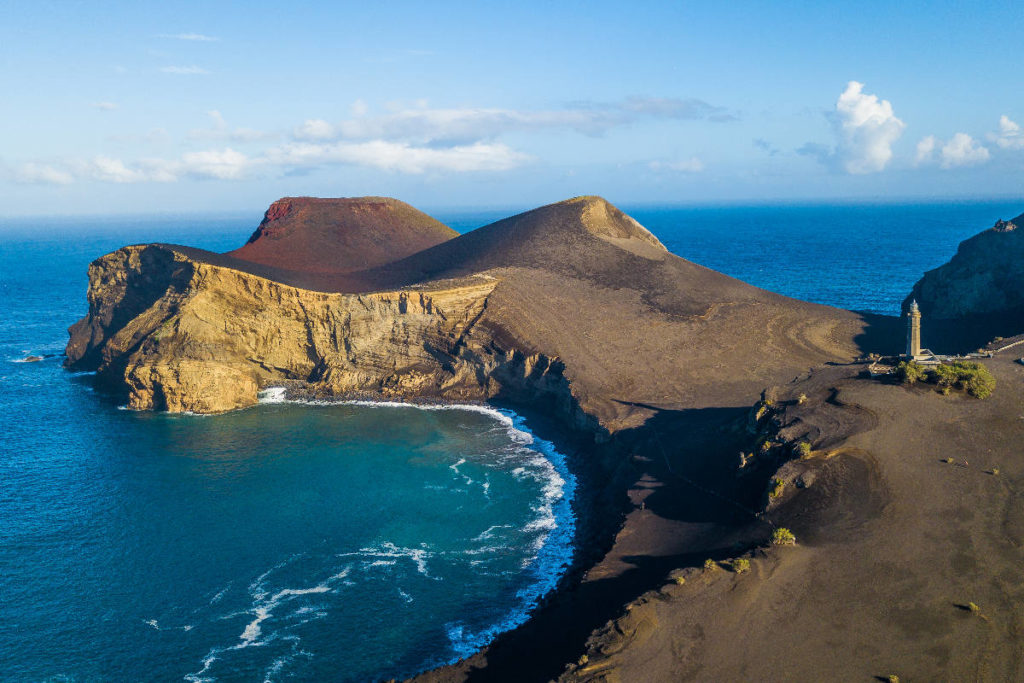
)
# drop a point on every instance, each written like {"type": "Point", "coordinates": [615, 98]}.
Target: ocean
{"type": "Point", "coordinates": [342, 542]}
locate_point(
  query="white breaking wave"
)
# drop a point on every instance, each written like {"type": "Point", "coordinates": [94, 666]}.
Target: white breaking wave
{"type": "Point", "coordinates": [388, 551]}
{"type": "Point", "coordinates": [265, 604]}
{"type": "Point", "coordinates": [272, 395]}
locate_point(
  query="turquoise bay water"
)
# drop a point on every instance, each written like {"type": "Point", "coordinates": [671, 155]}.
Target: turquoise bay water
{"type": "Point", "coordinates": [343, 542]}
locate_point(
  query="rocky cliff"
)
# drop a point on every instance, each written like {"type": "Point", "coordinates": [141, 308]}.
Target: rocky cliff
{"type": "Point", "coordinates": [983, 277]}
{"type": "Point", "coordinates": [574, 304]}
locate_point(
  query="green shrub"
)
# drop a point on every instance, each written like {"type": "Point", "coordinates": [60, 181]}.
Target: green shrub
{"type": "Point", "coordinates": [972, 377]}
{"type": "Point", "coordinates": [740, 565]}
{"type": "Point", "coordinates": [994, 471]}
{"type": "Point", "coordinates": [974, 608]}
{"type": "Point", "coordinates": [680, 580]}
{"type": "Point", "coordinates": [801, 399]}
{"type": "Point", "coordinates": [783, 536]}
{"type": "Point", "coordinates": [803, 449]}
{"type": "Point", "coordinates": [909, 372]}
{"type": "Point", "coordinates": [710, 565]}
{"type": "Point", "coordinates": [776, 489]}
{"type": "Point", "coordinates": [893, 678]}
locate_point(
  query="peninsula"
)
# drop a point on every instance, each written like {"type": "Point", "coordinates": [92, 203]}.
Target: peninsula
{"type": "Point", "coordinates": [682, 397]}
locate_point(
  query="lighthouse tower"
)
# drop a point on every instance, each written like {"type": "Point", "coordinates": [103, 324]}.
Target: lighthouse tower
{"type": "Point", "coordinates": [914, 330]}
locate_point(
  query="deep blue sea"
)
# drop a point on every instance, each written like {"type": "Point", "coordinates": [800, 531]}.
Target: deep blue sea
{"type": "Point", "coordinates": [324, 542]}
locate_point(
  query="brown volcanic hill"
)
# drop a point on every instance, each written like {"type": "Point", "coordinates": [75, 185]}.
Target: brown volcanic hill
{"type": "Point", "coordinates": [979, 291]}
{"type": "Point", "coordinates": [575, 237]}
{"type": "Point", "coordinates": [309, 234]}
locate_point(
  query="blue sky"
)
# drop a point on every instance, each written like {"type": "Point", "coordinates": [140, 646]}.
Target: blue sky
{"type": "Point", "coordinates": [116, 107]}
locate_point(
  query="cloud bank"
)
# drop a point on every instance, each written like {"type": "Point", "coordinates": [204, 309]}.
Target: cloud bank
{"type": "Point", "coordinates": [415, 140]}
{"type": "Point", "coordinates": [959, 150]}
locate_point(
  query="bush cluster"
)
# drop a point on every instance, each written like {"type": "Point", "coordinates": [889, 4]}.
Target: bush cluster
{"type": "Point", "coordinates": [783, 536]}
{"type": "Point", "coordinates": [740, 565]}
{"type": "Point", "coordinates": [972, 377]}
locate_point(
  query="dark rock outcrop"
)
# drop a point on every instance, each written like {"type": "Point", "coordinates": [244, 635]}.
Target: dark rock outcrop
{"type": "Point", "coordinates": [984, 276]}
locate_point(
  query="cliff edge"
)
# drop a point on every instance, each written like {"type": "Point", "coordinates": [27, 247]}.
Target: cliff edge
{"type": "Point", "coordinates": [981, 285]}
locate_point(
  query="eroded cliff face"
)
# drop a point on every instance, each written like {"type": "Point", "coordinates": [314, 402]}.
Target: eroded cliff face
{"type": "Point", "coordinates": [983, 277]}
{"type": "Point", "coordinates": [182, 335]}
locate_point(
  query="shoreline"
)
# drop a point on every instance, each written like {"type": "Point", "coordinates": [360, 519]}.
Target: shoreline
{"type": "Point", "coordinates": [557, 443]}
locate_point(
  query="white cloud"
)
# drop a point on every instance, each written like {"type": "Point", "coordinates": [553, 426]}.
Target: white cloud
{"type": "Point", "coordinates": [314, 129]}
{"type": "Point", "coordinates": [959, 150]}
{"type": "Point", "coordinates": [185, 70]}
{"type": "Point", "coordinates": [197, 37]}
{"type": "Point", "coordinates": [867, 129]}
{"type": "Point", "coordinates": [925, 150]}
{"type": "Point", "coordinates": [225, 164]}
{"type": "Point", "coordinates": [105, 106]}
{"type": "Point", "coordinates": [691, 165]}
{"type": "Point", "coordinates": [229, 164]}
{"type": "Point", "coordinates": [359, 108]}
{"type": "Point", "coordinates": [107, 169]}
{"type": "Point", "coordinates": [400, 157]}
{"type": "Point", "coordinates": [35, 173]}
{"type": "Point", "coordinates": [1010, 135]}
{"type": "Point", "coordinates": [963, 150]}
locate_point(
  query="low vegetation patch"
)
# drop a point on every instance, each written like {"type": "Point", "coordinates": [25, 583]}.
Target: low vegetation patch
{"type": "Point", "coordinates": [710, 565]}
{"type": "Point", "coordinates": [803, 449]}
{"type": "Point", "coordinates": [740, 565]}
{"type": "Point", "coordinates": [783, 536]}
{"type": "Point", "coordinates": [776, 488]}
{"type": "Point", "coordinates": [972, 377]}
{"type": "Point", "coordinates": [910, 372]}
